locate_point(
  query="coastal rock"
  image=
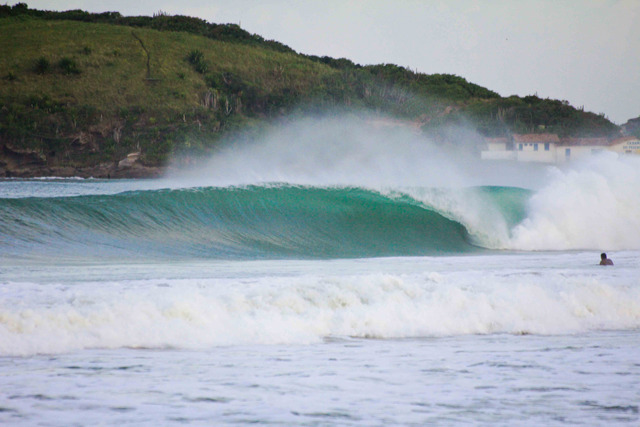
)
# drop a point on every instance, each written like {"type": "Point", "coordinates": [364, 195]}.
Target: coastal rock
{"type": "Point", "coordinates": [84, 141]}
{"type": "Point", "coordinates": [137, 171]}
{"type": "Point", "coordinates": [132, 167]}
{"type": "Point", "coordinates": [102, 170]}
{"type": "Point", "coordinates": [130, 160]}
{"type": "Point", "coordinates": [21, 157]}
{"type": "Point", "coordinates": [18, 162]}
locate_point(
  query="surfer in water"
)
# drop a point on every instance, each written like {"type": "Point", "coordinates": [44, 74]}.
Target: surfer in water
{"type": "Point", "coordinates": [604, 260]}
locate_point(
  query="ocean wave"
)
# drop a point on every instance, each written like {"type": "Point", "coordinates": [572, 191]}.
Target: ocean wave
{"type": "Point", "coordinates": [592, 205]}
{"type": "Point", "coordinates": [266, 221]}
{"type": "Point", "coordinates": [303, 309]}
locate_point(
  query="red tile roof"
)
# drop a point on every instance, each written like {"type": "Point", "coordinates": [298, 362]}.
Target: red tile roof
{"type": "Point", "coordinates": [536, 137]}
{"type": "Point", "coordinates": [585, 141]}
{"type": "Point", "coordinates": [624, 139]}
{"type": "Point", "coordinates": [497, 140]}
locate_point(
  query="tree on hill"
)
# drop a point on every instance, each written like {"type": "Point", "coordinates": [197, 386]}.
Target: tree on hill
{"type": "Point", "coordinates": [632, 127]}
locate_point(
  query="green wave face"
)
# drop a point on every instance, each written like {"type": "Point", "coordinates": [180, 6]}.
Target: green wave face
{"type": "Point", "coordinates": [254, 222]}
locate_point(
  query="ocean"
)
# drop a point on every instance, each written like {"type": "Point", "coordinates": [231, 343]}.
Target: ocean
{"type": "Point", "coordinates": [370, 286]}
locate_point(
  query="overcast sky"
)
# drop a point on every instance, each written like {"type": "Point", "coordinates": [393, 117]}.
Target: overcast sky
{"type": "Point", "coordinates": [583, 51]}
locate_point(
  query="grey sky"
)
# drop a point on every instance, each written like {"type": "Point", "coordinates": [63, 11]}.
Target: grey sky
{"type": "Point", "coordinates": [584, 51]}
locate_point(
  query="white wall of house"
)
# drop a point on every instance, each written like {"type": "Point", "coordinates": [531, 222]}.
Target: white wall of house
{"type": "Point", "coordinates": [496, 146]}
{"type": "Point", "coordinates": [627, 146]}
{"type": "Point", "coordinates": [543, 152]}
{"type": "Point", "coordinates": [497, 150]}
{"type": "Point", "coordinates": [533, 156]}
{"type": "Point", "coordinates": [566, 153]}
{"type": "Point", "coordinates": [550, 152]}
{"type": "Point", "coordinates": [498, 155]}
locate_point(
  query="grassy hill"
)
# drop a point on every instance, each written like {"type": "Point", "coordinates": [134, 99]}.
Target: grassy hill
{"type": "Point", "coordinates": [80, 91]}
{"type": "Point", "coordinates": [84, 93]}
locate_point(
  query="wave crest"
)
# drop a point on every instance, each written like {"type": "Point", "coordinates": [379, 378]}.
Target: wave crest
{"type": "Point", "coordinates": [267, 221]}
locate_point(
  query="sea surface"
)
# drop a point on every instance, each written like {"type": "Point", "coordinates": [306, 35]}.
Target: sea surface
{"type": "Point", "coordinates": [324, 296]}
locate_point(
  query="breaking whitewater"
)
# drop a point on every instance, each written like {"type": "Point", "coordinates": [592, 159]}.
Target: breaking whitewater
{"type": "Point", "coordinates": [328, 274]}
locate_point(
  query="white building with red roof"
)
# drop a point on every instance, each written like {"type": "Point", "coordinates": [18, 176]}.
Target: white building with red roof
{"type": "Point", "coordinates": [549, 148]}
{"type": "Point", "coordinates": [539, 147]}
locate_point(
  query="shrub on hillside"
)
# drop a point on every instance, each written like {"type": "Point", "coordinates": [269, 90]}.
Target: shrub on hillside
{"type": "Point", "coordinates": [195, 56]}
{"type": "Point", "coordinates": [196, 59]}
{"type": "Point", "coordinates": [42, 65]}
{"type": "Point", "coordinates": [68, 66]}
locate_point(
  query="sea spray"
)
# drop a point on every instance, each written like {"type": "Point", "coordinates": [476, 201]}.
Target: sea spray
{"type": "Point", "coordinates": [592, 204]}
{"type": "Point", "coordinates": [324, 151]}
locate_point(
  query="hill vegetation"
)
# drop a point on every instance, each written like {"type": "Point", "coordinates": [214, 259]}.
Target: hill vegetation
{"type": "Point", "coordinates": [632, 127]}
{"type": "Point", "coordinates": [529, 114]}
{"type": "Point", "coordinates": [80, 91]}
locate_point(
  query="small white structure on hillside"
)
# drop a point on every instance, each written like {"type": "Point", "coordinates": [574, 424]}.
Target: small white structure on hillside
{"type": "Point", "coordinates": [523, 148]}
{"type": "Point", "coordinates": [536, 147]}
{"type": "Point", "coordinates": [498, 149]}
{"type": "Point", "coordinates": [548, 148]}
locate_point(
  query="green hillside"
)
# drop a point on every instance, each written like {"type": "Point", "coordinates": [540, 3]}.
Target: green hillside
{"type": "Point", "coordinates": [80, 91]}
{"type": "Point", "coordinates": [133, 89]}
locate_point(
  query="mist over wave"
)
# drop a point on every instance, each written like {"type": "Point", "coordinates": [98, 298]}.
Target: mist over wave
{"type": "Point", "coordinates": [353, 150]}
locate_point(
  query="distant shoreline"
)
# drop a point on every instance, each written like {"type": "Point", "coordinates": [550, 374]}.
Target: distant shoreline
{"type": "Point", "coordinates": [103, 171]}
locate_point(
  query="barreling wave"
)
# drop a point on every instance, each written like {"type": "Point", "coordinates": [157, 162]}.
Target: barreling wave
{"type": "Point", "coordinates": [261, 222]}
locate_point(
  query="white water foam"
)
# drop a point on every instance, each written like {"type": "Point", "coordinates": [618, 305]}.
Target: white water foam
{"type": "Point", "coordinates": [594, 205]}
{"type": "Point", "coordinates": [305, 308]}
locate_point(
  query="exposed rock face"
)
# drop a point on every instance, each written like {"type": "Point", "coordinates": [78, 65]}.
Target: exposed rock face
{"type": "Point", "coordinates": [130, 160]}
{"type": "Point", "coordinates": [85, 141]}
{"type": "Point", "coordinates": [28, 164]}
{"type": "Point", "coordinates": [15, 161]}
{"type": "Point", "coordinates": [131, 167]}
{"type": "Point", "coordinates": [77, 156]}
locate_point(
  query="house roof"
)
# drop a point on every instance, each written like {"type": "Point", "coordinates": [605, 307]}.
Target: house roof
{"type": "Point", "coordinates": [588, 142]}
{"type": "Point", "coordinates": [624, 139]}
{"type": "Point", "coordinates": [536, 137]}
{"type": "Point", "coordinates": [501, 140]}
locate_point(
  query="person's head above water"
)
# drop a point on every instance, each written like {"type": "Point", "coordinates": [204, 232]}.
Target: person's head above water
{"type": "Point", "coordinates": [604, 260]}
